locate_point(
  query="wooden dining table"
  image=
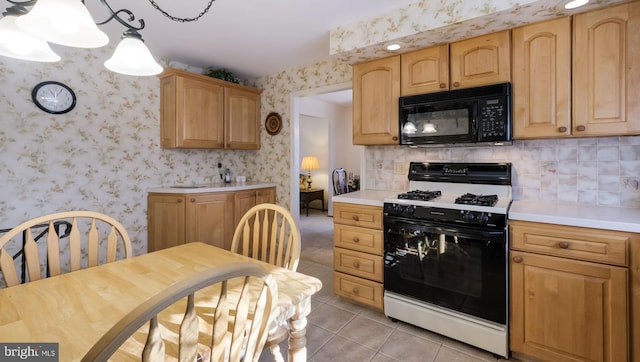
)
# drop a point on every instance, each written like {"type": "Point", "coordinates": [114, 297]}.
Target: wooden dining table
{"type": "Point", "coordinates": [77, 308]}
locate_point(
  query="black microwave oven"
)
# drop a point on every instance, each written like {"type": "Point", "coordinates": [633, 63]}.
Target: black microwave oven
{"type": "Point", "coordinates": [470, 116]}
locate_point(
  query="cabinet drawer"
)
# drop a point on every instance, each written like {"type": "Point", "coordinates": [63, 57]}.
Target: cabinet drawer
{"type": "Point", "coordinates": [360, 239]}
{"type": "Point", "coordinates": [357, 215]}
{"type": "Point", "coordinates": [359, 290]}
{"type": "Point", "coordinates": [358, 263]}
{"type": "Point", "coordinates": [604, 246]}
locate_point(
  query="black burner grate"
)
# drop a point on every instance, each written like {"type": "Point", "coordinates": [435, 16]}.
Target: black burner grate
{"type": "Point", "coordinates": [480, 200]}
{"type": "Point", "coordinates": [420, 195]}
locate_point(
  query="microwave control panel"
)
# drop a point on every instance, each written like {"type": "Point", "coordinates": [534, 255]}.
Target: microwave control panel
{"type": "Point", "coordinates": [493, 117]}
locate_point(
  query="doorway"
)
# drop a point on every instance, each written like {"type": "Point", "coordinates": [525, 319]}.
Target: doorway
{"type": "Point", "coordinates": [330, 104]}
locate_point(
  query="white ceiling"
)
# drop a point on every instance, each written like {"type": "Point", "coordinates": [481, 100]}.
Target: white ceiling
{"type": "Point", "coordinates": [251, 38]}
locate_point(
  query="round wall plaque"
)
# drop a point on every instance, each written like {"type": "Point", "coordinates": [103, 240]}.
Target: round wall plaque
{"type": "Point", "coordinates": [273, 123]}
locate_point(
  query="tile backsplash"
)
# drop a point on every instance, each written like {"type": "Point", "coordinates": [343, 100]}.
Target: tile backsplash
{"type": "Point", "coordinates": [592, 171]}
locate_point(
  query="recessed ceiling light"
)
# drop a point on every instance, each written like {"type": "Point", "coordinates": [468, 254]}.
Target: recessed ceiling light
{"type": "Point", "coordinates": [393, 46]}
{"type": "Point", "coordinates": [575, 4]}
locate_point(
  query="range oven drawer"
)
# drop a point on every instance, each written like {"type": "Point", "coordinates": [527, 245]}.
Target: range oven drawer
{"type": "Point", "coordinates": [358, 264]}
{"type": "Point", "coordinates": [357, 289]}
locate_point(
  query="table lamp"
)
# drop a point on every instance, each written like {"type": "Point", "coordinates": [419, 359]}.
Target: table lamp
{"type": "Point", "coordinates": [309, 163]}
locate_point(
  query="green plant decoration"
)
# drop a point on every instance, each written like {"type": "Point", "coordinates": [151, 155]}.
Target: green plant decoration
{"type": "Point", "coordinates": [222, 74]}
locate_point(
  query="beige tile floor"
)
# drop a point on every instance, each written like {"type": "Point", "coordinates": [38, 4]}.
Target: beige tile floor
{"type": "Point", "coordinates": [340, 330]}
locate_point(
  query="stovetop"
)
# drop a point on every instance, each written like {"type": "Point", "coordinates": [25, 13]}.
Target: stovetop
{"type": "Point", "coordinates": [482, 187]}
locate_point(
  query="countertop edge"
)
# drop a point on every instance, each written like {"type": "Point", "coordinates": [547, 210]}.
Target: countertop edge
{"type": "Point", "coordinates": [596, 217]}
{"type": "Point", "coordinates": [365, 197]}
{"type": "Point", "coordinates": [196, 189]}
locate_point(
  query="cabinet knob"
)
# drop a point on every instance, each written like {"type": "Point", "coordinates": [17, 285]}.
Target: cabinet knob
{"type": "Point", "coordinates": [179, 201]}
{"type": "Point", "coordinates": [356, 290]}
{"type": "Point", "coordinates": [562, 129]}
{"type": "Point", "coordinates": [356, 265]}
{"type": "Point", "coordinates": [563, 245]}
{"type": "Point", "coordinates": [456, 84]}
{"type": "Point", "coordinates": [356, 218]}
{"type": "Point", "coordinates": [356, 239]}
{"type": "Point", "coordinates": [443, 85]}
{"type": "Point", "coordinates": [192, 199]}
{"type": "Point", "coordinates": [394, 138]}
{"type": "Point", "coordinates": [580, 128]}
{"type": "Point", "coordinates": [517, 259]}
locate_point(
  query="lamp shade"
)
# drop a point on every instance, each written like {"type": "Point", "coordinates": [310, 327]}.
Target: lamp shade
{"type": "Point", "coordinates": [15, 43]}
{"type": "Point", "coordinates": [64, 22]}
{"type": "Point", "coordinates": [132, 57]}
{"type": "Point", "coordinates": [310, 163]}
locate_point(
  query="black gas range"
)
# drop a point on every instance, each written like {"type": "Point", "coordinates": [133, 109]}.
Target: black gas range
{"type": "Point", "coordinates": [445, 248]}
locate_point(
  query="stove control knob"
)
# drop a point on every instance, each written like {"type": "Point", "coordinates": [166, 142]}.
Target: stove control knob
{"type": "Point", "coordinates": [484, 218]}
{"type": "Point", "coordinates": [470, 216]}
{"type": "Point", "coordinates": [409, 210]}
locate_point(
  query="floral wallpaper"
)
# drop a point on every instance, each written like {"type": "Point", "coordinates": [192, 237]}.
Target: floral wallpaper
{"type": "Point", "coordinates": [104, 155]}
{"type": "Point", "coordinates": [427, 22]}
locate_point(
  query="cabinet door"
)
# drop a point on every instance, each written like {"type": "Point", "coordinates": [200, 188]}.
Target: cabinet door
{"type": "Point", "coordinates": [425, 70]}
{"type": "Point", "coordinates": [376, 89]}
{"type": "Point", "coordinates": [165, 221]}
{"type": "Point", "coordinates": [568, 310]}
{"type": "Point", "coordinates": [267, 195]}
{"type": "Point", "coordinates": [606, 59]}
{"type": "Point", "coordinates": [242, 119]}
{"type": "Point", "coordinates": [542, 79]}
{"type": "Point", "coordinates": [243, 200]}
{"type": "Point", "coordinates": [480, 61]}
{"type": "Point", "coordinates": [199, 114]}
{"type": "Point", "coordinates": [210, 218]}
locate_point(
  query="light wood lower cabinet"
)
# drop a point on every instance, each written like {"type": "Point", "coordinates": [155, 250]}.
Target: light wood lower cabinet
{"type": "Point", "coordinates": [357, 254]}
{"type": "Point", "coordinates": [570, 292]}
{"type": "Point", "coordinates": [209, 217]}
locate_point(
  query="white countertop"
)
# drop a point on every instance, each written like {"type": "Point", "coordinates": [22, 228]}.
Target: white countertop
{"type": "Point", "coordinates": [365, 197]}
{"type": "Point", "coordinates": [600, 217]}
{"type": "Point", "coordinates": [216, 187]}
{"type": "Point", "coordinates": [561, 213]}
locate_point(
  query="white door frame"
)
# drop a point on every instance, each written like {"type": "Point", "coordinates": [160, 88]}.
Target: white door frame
{"type": "Point", "coordinates": [294, 157]}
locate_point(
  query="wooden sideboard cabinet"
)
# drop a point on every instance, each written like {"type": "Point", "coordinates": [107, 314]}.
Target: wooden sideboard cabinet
{"type": "Point", "coordinates": [197, 111]}
{"type": "Point", "coordinates": [209, 217]}
{"type": "Point", "coordinates": [357, 254]}
{"type": "Point", "coordinates": [572, 292]}
{"type": "Point", "coordinates": [578, 83]}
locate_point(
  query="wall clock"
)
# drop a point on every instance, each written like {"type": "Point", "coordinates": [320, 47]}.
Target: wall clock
{"type": "Point", "coordinates": [53, 97]}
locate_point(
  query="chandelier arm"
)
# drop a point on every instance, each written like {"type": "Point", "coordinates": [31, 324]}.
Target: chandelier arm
{"type": "Point", "coordinates": [18, 8]}
{"type": "Point", "coordinates": [182, 20]}
{"type": "Point", "coordinates": [116, 15]}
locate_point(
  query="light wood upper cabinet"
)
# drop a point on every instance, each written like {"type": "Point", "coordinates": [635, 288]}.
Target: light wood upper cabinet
{"type": "Point", "coordinates": [197, 111]}
{"type": "Point", "coordinates": [425, 70]}
{"type": "Point", "coordinates": [606, 71]}
{"type": "Point", "coordinates": [242, 112]}
{"type": "Point", "coordinates": [542, 79]}
{"type": "Point", "coordinates": [467, 63]}
{"type": "Point", "coordinates": [376, 89]}
{"type": "Point", "coordinates": [481, 60]}
{"type": "Point", "coordinates": [591, 91]}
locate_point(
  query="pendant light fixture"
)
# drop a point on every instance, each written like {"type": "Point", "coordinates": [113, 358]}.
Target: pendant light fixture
{"type": "Point", "coordinates": [24, 34]}
{"type": "Point", "coordinates": [19, 44]}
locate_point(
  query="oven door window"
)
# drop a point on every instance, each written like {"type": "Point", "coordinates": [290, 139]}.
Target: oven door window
{"type": "Point", "coordinates": [462, 269]}
{"type": "Point", "coordinates": [437, 123]}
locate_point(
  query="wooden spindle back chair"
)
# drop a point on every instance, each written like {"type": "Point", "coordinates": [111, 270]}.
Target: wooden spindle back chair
{"type": "Point", "coordinates": [84, 238]}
